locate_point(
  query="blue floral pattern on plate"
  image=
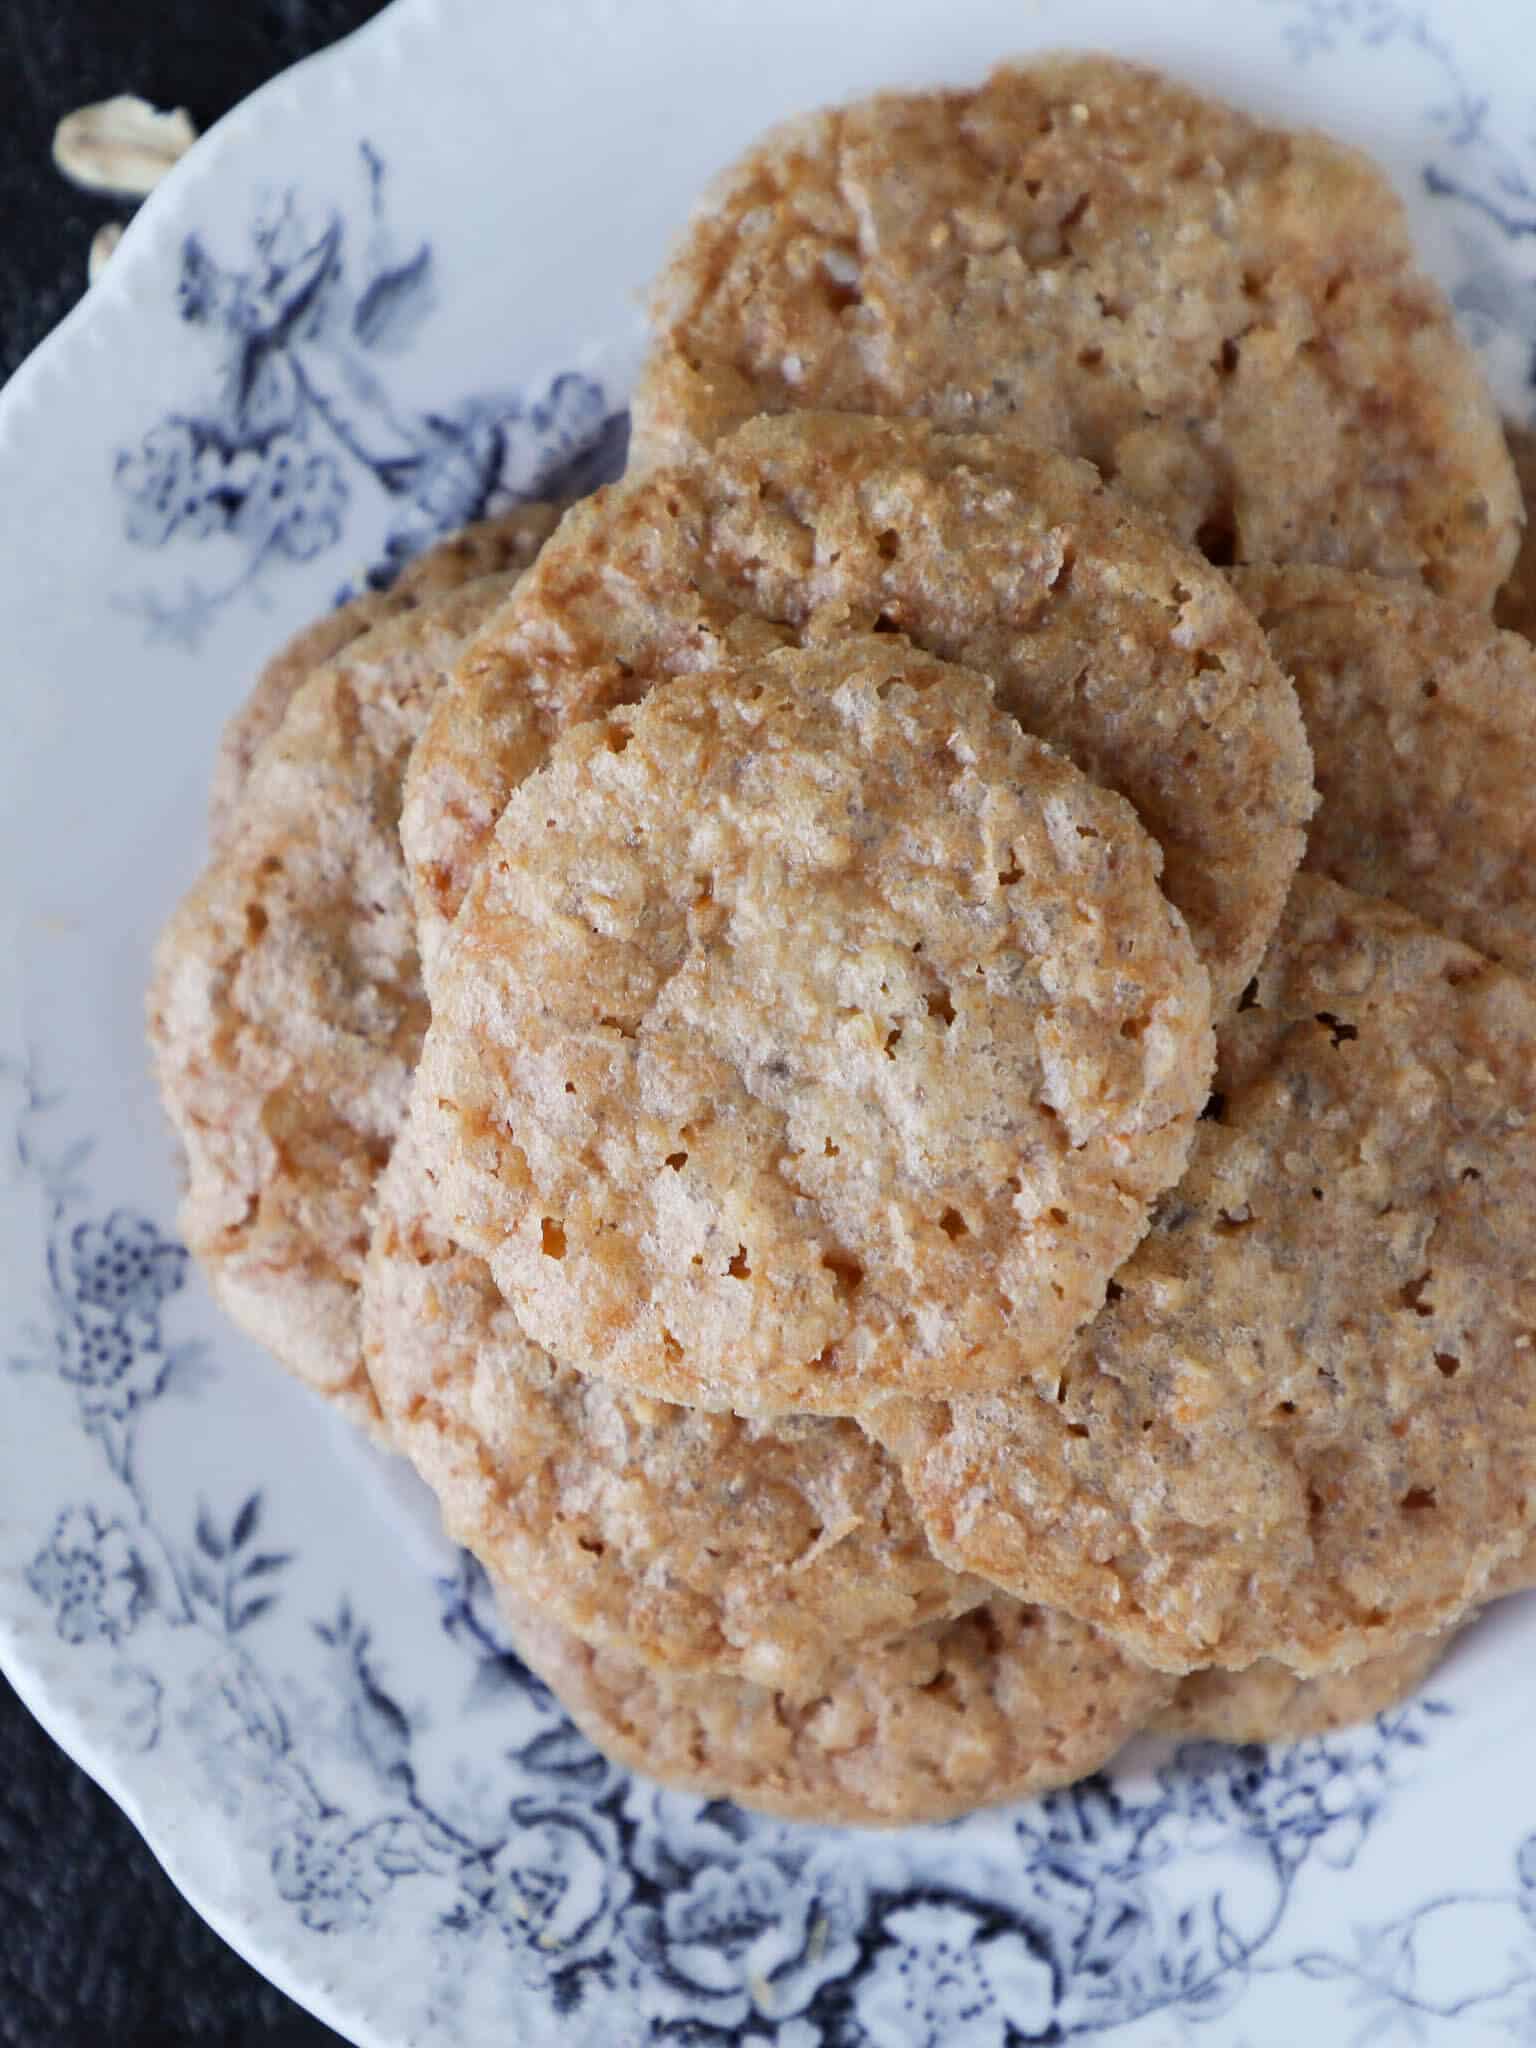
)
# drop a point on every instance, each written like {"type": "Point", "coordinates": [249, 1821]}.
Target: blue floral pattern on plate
{"type": "Point", "coordinates": [718, 1926]}
{"type": "Point", "coordinates": [299, 414]}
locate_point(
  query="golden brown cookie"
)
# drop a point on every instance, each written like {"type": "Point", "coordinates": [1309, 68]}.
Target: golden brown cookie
{"type": "Point", "coordinates": [1100, 634]}
{"type": "Point", "coordinates": [1516, 1574]}
{"type": "Point", "coordinates": [810, 1032]}
{"type": "Point", "coordinates": [1305, 1427]}
{"type": "Point", "coordinates": [1003, 1703]}
{"type": "Point", "coordinates": [492, 546]}
{"type": "Point", "coordinates": [1515, 606]}
{"type": "Point", "coordinates": [693, 1541]}
{"type": "Point", "coordinates": [286, 1007]}
{"type": "Point", "coordinates": [1422, 718]}
{"type": "Point", "coordinates": [1225, 317]}
{"type": "Point", "coordinates": [1268, 1703]}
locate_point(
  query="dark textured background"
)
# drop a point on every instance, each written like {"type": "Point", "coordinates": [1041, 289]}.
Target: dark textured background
{"type": "Point", "coordinates": [95, 1946]}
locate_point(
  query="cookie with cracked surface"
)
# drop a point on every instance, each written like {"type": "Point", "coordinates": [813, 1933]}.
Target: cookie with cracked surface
{"type": "Point", "coordinates": [1515, 606]}
{"type": "Point", "coordinates": [490, 547]}
{"type": "Point", "coordinates": [1100, 634]}
{"type": "Point", "coordinates": [1003, 1703]}
{"type": "Point", "coordinates": [286, 1008]}
{"type": "Point", "coordinates": [1422, 719]}
{"type": "Point", "coordinates": [1305, 1426]}
{"type": "Point", "coordinates": [1268, 1703]}
{"type": "Point", "coordinates": [696, 1542]}
{"type": "Point", "coordinates": [1225, 317]}
{"type": "Point", "coordinates": [810, 1032]}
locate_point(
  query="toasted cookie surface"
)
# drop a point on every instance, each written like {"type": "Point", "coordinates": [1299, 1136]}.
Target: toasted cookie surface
{"type": "Point", "coordinates": [491, 547]}
{"type": "Point", "coordinates": [810, 1031]}
{"type": "Point", "coordinates": [693, 1541]}
{"type": "Point", "coordinates": [1268, 1703]}
{"type": "Point", "coordinates": [286, 1007]}
{"type": "Point", "coordinates": [1515, 606]}
{"type": "Point", "coordinates": [1305, 1426]}
{"type": "Point", "coordinates": [1422, 719]}
{"type": "Point", "coordinates": [1225, 317]}
{"type": "Point", "coordinates": [1100, 634]}
{"type": "Point", "coordinates": [1002, 1703]}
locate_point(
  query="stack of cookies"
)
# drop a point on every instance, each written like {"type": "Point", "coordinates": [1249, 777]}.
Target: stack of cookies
{"type": "Point", "coordinates": [897, 1053]}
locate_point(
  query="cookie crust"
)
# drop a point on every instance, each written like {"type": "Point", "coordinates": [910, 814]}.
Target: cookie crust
{"type": "Point", "coordinates": [810, 1032]}
{"type": "Point", "coordinates": [1225, 317]}
{"type": "Point", "coordinates": [1100, 634]}
{"type": "Point", "coordinates": [1305, 1426]}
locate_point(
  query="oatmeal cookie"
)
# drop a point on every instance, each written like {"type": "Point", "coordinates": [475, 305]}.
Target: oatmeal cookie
{"type": "Point", "coordinates": [1100, 634]}
{"type": "Point", "coordinates": [1225, 317]}
{"type": "Point", "coordinates": [1422, 719]}
{"type": "Point", "coordinates": [695, 1542]}
{"type": "Point", "coordinates": [286, 1008]}
{"type": "Point", "coordinates": [1003, 1703]}
{"type": "Point", "coordinates": [811, 1032]}
{"type": "Point", "coordinates": [1268, 1703]}
{"type": "Point", "coordinates": [492, 546]}
{"type": "Point", "coordinates": [1305, 1426]}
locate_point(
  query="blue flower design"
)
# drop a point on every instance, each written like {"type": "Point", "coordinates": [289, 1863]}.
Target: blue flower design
{"type": "Point", "coordinates": [750, 1924]}
{"type": "Point", "coordinates": [554, 1885]}
{"type": "Point", "coordinates": [294, 502]}
{"type": "Point", "coordinates": [92, 1577]}
{"type": "Point", "coordinates": [124, 1264]}
{"type": "Point", "coordinates": [1298, 1801]}
{"type": "Point", "coordinates": [299, 414]}
{"type": "Point", "coordinates": [323, 1868]}
{"type": "Point", "coordinates": [179, 481]}
{"type": "Point", "coordinates": [940, 1978]}
{"type": "Point", "coordinates": [114, 1362]}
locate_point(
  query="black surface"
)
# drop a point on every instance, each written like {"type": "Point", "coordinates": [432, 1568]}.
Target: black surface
{"type": "Point", "coordinates": [58, 54]}
{"type": "Point", "coordinates": [95, 1945]}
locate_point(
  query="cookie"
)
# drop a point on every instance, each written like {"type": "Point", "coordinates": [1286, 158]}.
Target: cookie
{"type": "Point", "coordinates": [1422, 718]}
{"type": "Point", "coordinates": [1305, 1426]}
{"type": "Point", "coordinates": [695, 1542]}
{"type": "Point", "coordinates": [1517, 1574]}
{"type": "Point", "coordinates": [1100, 634]}
{"type": "Point", "coordinates": [1002, 1703]}
{"type": "Point", "coordinates": [1515, 606]}
{"type": "Point", "coordinates": [1267, 1703]}
{"type": "Point", "coordinates": [810, 1033]}
{"type": "Point", "coordinates": [286, 1008]}
{"type": "Point", "coordinates": [491, 547]}
{"type": "Point", "coordinates": [1225, 317]}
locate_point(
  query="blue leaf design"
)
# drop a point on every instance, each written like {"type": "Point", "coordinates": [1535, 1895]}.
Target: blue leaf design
{"type": "Point", "coordinates": [265, 1564]}
{"type": "Point", "coordinates": [209, 1541]}
{"type": "Point", "coordinates": [395, 303]}
{"type": "Point", "coordinates": [252, 1611]}
{"type": "Point", "coordinates": [564, 1753]}
{"type": "Point", "coordinates": [301, 284]}
{"type": "Point", "coordinates": [245, 1523]}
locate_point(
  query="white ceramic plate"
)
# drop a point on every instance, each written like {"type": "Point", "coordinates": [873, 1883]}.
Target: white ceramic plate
{"type": "Point", "coordinates": [401, 279]}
